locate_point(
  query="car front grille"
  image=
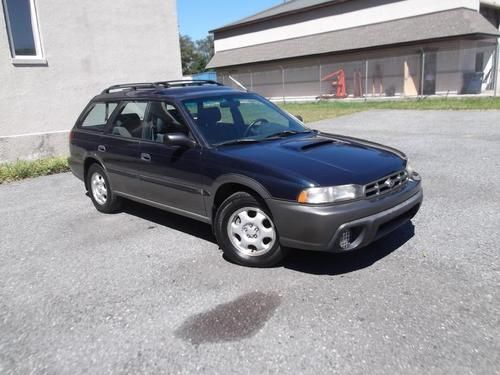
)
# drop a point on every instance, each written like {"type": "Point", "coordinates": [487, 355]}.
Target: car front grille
{"type": "Point", "coordinates": [386, 185]}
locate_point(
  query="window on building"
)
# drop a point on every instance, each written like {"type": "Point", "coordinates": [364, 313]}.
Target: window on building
{"type": "Point", "coordinates": [22, 28]}
{"type": "Point", "coordinates": [98, 116]}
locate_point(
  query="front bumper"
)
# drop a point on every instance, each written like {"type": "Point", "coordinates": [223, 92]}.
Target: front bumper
{"type": "Point", "coordinates": [319, 227]}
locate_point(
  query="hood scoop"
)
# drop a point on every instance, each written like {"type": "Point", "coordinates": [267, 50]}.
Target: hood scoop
{"type": "Point", "coordinates": [308, 144]}
{"type": "Point", "coordinates": [318, 143]}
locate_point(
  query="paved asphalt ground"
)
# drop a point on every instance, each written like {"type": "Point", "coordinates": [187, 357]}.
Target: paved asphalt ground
{"type": "Point", "coordinates": [147, 291]}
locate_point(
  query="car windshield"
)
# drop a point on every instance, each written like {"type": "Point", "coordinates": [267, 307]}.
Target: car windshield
{"type": "Point", "coordinates": [240, 118]}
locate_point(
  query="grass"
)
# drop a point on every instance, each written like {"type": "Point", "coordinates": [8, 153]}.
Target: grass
{"type": "Point", "coordinates": [22, 169]}
{"type": "Point", "coordinates": [322, 110]}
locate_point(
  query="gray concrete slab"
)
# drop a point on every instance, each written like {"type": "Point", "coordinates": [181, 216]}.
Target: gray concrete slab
{"type": "Point", "coordinates": [147, 291]}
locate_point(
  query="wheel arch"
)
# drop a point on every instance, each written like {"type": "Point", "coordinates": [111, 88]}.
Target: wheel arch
{"type": "Point", "coordinates": [227, 185]}
{"type": "Point", "coordinates": [86, 165]}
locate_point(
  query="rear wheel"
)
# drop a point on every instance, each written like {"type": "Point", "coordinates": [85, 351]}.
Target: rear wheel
{"type": "Point", "coordinates": [100, 191]}
{"type": "Point", "coordinates": [246, 232]}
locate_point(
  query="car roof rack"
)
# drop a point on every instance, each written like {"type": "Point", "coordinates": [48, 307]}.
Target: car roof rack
{"type": "Point", "coordinates": [160, 85]}
{"type": "Point", "coordinates": [188, 82]}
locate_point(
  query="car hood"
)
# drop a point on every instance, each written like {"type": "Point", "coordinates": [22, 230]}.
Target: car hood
{"type": "Point", "coordinates": [320, 159]}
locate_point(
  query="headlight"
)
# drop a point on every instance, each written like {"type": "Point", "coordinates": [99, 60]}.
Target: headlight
{"type": "Point", "coordinates": [330, 194]}
{"type": "Point", "coordinates": [412, 173]}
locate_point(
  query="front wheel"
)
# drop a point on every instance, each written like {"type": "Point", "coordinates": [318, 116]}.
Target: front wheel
{"type": "Point", "coordinates": [246, 232]}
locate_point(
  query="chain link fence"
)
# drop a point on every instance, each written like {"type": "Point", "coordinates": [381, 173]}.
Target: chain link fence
{"type": "Point", "coordinates": [464, 71]}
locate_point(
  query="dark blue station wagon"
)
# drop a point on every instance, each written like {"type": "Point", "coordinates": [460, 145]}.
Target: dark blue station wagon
{"type": "Point", "coordinates": [263, 180]}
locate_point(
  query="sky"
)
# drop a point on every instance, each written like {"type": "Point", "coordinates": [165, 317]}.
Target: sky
{"type": "Point", "coordinates": [197, 17]}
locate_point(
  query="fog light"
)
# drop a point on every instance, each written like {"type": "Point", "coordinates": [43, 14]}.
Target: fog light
{"type": "Point", "coordinates": [345, 239]}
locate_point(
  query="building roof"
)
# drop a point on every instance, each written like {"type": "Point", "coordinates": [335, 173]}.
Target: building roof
{"type": "Point", "coordinates": [286, 8]}
{"type": "Point", "coordinates": [433, 26]}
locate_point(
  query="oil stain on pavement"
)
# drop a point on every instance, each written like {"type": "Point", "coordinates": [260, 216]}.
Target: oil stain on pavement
{"type": "Point", "coordinates": [230, 321]}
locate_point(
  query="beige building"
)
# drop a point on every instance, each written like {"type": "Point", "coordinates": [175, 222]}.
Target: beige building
{"type": "Point", "coordinates": [304, 49]}
{"type": "Point", "coordinates": [55, 55]}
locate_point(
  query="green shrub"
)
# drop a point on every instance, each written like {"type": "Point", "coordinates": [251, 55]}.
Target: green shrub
{"type": "Point", "coordinates": [22, 169]}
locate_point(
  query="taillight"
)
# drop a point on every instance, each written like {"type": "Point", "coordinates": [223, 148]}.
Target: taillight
{"type": "Point", "coordinates": [71, 136]}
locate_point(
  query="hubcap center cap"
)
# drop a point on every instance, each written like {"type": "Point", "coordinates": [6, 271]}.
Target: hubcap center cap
{"type": "Point", "coordinates": [251, 231]}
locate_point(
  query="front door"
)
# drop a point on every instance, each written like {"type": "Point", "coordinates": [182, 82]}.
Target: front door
{"type": "Point", "coordinates": [170, 173]}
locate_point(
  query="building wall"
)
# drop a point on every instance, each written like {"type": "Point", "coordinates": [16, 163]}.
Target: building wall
{"type": "Point", "coordinates": [88, 45]}
{"type": "Point", "coordinates": [336, 17]}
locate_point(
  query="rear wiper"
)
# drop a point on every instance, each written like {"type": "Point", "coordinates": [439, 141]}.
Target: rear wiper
{"type": "Point", "coordinates": [236, 142]}
{"type": "Point", "coordinates": [286, 133]}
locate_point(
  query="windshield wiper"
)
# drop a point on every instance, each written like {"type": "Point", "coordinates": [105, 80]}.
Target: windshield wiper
{"type": "Point", "coordinates": [236, 142]}
{"type": "Point", "coordinates": [286, 133]}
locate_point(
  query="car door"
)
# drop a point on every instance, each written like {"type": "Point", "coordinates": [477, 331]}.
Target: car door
{"type": "Point", "coordinates": [170, 172]}
{"type": "Point", "coordinates": [119, 147]}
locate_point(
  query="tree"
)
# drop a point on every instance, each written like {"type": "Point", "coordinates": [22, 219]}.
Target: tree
{"type": "Point", "coordinates": [195, 55]}
{"type": "Point", "coordinates": [187, 54]}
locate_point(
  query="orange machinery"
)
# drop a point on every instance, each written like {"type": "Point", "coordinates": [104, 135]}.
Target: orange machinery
{"type": "Point", "coordinates": [338, 83]}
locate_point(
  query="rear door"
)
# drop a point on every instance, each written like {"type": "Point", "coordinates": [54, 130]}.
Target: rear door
{"type": "Point", "coordinates": [88, 133]}
{"type": "Point", "coordinates": [119, 147]}
{"type": "Point", "coordinates": [170, 173]}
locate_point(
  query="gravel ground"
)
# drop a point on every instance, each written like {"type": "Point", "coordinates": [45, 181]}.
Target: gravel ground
{"type": "Point", "coordinates": [147, 291]}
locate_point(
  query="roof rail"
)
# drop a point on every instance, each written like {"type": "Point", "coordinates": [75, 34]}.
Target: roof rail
{"type": "Point", "coordinates": [160, 85]}
{"type": "Point", "coordinates": [130, 86]}
{"type": "Point", "coordinates": [188, 82]}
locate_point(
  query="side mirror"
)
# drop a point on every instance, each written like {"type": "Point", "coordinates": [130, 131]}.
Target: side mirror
{"type": "Point", "coordinates": [299, 117]}
{"type": "Point", "coordinates": [179, 139]}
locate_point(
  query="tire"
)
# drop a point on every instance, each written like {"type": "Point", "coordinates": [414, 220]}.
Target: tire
{"type": "Point", "coordinates": [100, 190]}
{"type": "Point", "coordinates": [246, 233]}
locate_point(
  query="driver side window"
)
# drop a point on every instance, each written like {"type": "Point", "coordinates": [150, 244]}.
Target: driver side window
{"type": "Point", "coordinates": [163, 119]}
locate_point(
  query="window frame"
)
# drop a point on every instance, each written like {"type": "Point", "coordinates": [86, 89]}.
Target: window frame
{"type": "Point", "coordinates": [177, 107]}
{"type": "Point", "coordinates": [108, 131]}
{"type": "Point", "coordinates": [87, 111]}
{"type": "Point", "coordinates": [26, 59]}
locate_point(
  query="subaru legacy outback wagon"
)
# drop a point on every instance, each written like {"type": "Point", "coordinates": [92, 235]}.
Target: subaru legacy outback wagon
{"type": "Point", "coordinates": [232, 159]}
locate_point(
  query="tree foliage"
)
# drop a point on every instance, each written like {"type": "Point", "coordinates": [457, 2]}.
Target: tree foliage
{"type": "Point", "coordinates": [195, 55]}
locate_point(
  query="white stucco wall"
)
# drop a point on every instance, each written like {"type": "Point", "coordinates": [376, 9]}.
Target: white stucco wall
{"type": "Point", "coordinates": [88, 45]}
{"type": "Point", "coordinates": [364, 16]}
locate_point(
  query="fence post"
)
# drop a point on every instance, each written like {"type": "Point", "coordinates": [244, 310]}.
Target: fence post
{"type": "Point", "coordinates": [366, 79]}
{"type": "Point", "coordinates": [320, 81]}
{"type": "Point", "coordinates": [283, 82]}
{"type": "Point", "coordinates": [422, 78]}
{"type": "Point", "coordinates": [497, 67]}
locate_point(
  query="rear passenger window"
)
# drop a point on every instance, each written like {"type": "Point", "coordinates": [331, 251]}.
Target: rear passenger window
{"type": "Point", "coordinates": [130, 122]}
{"type": "Point", "coordinates": [98, 116]}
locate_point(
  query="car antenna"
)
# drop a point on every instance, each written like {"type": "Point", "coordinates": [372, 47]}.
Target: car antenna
{"type": "Point", "coordinates": [238, 83]}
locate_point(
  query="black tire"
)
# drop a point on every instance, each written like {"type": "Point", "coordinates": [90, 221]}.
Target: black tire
{"type": "Point", "coordinates": [112, 202]}
{"type": "Point", "coordinates": [231, 205]}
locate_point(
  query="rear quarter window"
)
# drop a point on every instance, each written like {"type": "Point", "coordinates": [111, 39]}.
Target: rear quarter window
{"type": "Point", "coordinates": [97, 116]}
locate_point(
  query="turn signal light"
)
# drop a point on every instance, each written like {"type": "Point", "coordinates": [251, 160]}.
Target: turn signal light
{"type": "Point", "coordinates": [302, 197]}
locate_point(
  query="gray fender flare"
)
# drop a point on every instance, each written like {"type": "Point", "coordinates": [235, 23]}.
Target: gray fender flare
{"type": "Point", "coordinates": [235, 179]}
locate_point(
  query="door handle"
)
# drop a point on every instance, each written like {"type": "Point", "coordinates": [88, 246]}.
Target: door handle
{"type": "Point", "coordinates": [145, 157]}
{"type": "Point", "coordinates": [101, 148]}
